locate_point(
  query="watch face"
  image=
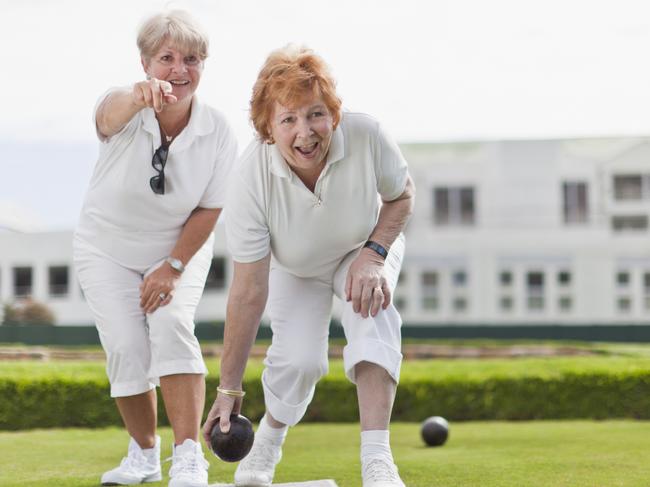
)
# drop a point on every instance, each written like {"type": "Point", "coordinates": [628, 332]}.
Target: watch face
{"type": "Point", "coordinates": [176, 264]}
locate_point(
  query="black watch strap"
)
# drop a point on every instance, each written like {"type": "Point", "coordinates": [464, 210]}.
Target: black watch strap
{"type": "Point", "coordinates": [377, 248]}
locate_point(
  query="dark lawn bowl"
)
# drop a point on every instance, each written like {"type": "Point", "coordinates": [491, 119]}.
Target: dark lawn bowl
{"type": "Point", "coordinates": [234, 445]}
{"type": "Point", "coordinates": [435, 431]}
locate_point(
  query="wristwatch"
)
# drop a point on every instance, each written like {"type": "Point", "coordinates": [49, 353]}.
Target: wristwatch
{"type": "Point", "coordinates": [175, 264]}
{"type": "Point", "coordinates": [377, 248]}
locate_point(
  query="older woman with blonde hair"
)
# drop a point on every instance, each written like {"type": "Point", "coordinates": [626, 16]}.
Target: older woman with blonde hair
{"type": "Point", "coordinates": [143, 245]}
{"type": "Point", "coordinates": [316, 208]}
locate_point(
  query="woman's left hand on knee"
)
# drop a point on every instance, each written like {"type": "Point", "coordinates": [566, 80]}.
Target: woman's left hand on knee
{"type": "Point", "coordinates": [157, 289]}
{"type": "Point", "coordinates": [366, 285]}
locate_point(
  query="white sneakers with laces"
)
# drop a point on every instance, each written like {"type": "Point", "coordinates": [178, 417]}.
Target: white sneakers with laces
{"type": "Point", "coordinates": [137, 467]}
{"type": "Point", "coordinates": [380, 472]}
{"type": "Point", "coordinates": [189, 466]}
{"type": "Point", "coordinates": [258, 467]}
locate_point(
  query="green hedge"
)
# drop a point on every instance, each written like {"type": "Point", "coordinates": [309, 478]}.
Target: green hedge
{"type": "Point", "coordinates": [68, 402]}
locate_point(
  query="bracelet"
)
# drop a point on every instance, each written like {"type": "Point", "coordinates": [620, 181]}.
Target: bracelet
{"type": "Point", "coordinates": [377, 248]}
{"type": "Point", "coordinates": [231, 392]}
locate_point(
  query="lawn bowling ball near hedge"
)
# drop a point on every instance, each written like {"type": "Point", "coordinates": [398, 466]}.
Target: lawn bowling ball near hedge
{"type": "Point", "coordinates": [435, 431]}
{"type": "Point", "coordinates": [234, 445]}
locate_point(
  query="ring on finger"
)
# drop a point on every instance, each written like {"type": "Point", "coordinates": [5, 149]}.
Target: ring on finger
{"type": "Point", "coordinates": [162, 296]}
{"type": "Point", "coordinates": [376, 289]}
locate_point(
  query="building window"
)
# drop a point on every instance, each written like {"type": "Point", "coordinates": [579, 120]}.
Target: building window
{"type": "Point", "coordinates": [454, 205]}
{"type": "Point", "coordinates": [459, 304]}
{"type": "Point", "coordinates": [575, 202]}
{"type": "Point", "coordinates": [505, 278]}
{"type": "Point", "coordinates": [646, 290]}
{"type": "Point", "coordinates": [622, 278]}
{"type": "Point", "coordinates": [631, 187]}
{"type": "Point", "coordinates": [459, 278]}
{"type": "Point", "coordinates": [22, 282]}
{"type": "Point", "coordinates": [535, 290]}
{"type": "Point", "coordinates": [624, 304]}
{"type": "Point", "coordinates": [430, 290]}
{"type": "Point", "coordinates": [565, 303]}
{"type": "Point", "coordinates": [506, 303]}
{"type": "Point", "coordinates": [58, 280]}
{"type": "Point", "coordinates": [633, 223]}
{"type": "Point", "coordinates": [564, 278]}
{"type": "Point", "coordinates": [217, 274]}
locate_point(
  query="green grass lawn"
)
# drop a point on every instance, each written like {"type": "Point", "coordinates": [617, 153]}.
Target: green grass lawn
{"type": "Point", "coordinates": [485, 454]}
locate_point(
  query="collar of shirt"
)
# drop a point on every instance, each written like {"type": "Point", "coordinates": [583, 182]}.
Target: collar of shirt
{"type": "Point", "coordinates": [200, 123]}
{"type": "Point", "coordinates": [336, 152]}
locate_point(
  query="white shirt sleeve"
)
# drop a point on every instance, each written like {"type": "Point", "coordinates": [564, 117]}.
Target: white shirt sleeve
{"type": "Point", "coordinates": [214, 195]}
{"type": "Point", "coordinates": [391, 168]}
{"type": "Point", "coordinates": [247, 231]}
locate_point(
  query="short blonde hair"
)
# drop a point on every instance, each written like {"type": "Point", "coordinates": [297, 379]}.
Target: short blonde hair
{"type": "Point", "coordinates": [290, 76]}
{"type": "Point", "coordinates": [177, 26]}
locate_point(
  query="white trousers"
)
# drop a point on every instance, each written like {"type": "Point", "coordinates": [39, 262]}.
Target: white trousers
{"type": "Point", "coordinates": [300, 310]}
{"type": "Point", "coordinates": [140, 348]}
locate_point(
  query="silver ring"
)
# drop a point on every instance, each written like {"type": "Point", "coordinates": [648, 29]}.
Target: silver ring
{"type": "Point", "coordinates": [376, 289]}
{"type": "Point", "coordinates": [162, 296]}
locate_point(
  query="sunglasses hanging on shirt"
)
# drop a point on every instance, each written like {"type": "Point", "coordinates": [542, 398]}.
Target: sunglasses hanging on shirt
{"type": "Point", "coordinates": [158, 162]}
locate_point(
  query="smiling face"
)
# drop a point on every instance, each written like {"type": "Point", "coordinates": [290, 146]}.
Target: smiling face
{"type": "Point", "coordinates": [181, 70]}
{"type": "Point", "coordinates": [303, 134]}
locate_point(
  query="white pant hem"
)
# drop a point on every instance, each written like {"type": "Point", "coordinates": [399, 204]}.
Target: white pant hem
{"type": "Point", "coordinates": [289, 414]}
{"type": "Point", "coordinates": [374, 351]}
{"type": "Point", "coordinates": [132, 388]}
{"type": "Point", "coordinates": [174, 367]}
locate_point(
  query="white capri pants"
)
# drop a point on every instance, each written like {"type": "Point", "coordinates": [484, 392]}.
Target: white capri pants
{"type": "Point", "coordinates": [300, 310]}
{"type": "Point", "coordinates": [140, 348]}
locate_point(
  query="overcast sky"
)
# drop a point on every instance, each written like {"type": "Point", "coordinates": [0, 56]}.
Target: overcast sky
{"type": "Point", "coordinates": [429, 70]}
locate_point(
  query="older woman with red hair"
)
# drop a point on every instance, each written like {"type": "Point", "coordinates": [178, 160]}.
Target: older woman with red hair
{"type": "Point", "coordinates": [315, 209]}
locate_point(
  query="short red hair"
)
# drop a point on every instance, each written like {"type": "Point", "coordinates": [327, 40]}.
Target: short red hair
{"type": "Point", "coordinates": [291, 75]}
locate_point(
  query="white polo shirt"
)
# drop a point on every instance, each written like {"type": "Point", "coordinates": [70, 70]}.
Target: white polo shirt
{"type": "Point", "coordinates": [270, 209]}
{"type": "Point", "coordinates": [122, 217]}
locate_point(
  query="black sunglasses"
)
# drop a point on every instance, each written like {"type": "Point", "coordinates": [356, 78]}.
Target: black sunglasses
{"type": "Point", "coordinates": [158, 162]}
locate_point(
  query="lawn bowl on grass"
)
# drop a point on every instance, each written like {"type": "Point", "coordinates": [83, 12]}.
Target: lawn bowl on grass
{"type": "Point", "coordinates": [435, 431]}
{"type": "Point", "coordinates": [311, 483]}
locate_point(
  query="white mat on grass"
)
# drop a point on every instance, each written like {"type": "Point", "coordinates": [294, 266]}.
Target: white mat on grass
{"type": "Point", "coordinates": [311, 483]}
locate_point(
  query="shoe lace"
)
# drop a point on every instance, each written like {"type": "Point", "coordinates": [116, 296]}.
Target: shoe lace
{"type": "Point", "coordinates": [263, 456]}
{"type": "Point", "coordinates": [189, 463]}
{"type": "Point", "coordinates": [133, 461]}
{"type": "Point", "coordinates": [380, 470]}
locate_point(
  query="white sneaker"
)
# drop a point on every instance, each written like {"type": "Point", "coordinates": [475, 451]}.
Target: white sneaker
{"type": "Point", "coordinates": [138, 466]}
{"type": "Point", "coordinates": [380, 472]}
{"type": "Point", "coordinates": [258, 467]}
{"type": "Point", "coordinates": [189, 466]}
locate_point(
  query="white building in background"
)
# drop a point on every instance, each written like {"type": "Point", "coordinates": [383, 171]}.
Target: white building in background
{"type": "Point", "coordinates": [549, 231]}
{"type": "Point", "coordinates": [507, 232]}
{"type": "Point", "coordinates": [39, 266]}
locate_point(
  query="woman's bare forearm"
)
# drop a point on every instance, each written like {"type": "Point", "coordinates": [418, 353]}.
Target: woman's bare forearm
{"type": "Point", "coordinates": [393, 216]}
{"type": "Point", "coordinates": [246, 302]}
